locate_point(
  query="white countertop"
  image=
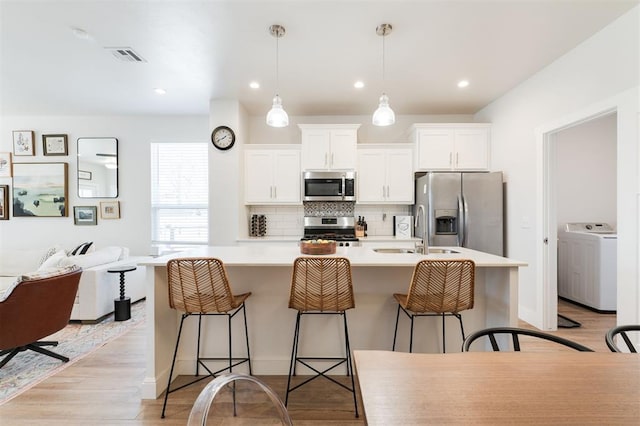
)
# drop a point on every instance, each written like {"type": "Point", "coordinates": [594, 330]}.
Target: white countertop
{"type": "Point", "coordinates": [374, 238]}
{"type": "Point", "coordinates": [266, 255]}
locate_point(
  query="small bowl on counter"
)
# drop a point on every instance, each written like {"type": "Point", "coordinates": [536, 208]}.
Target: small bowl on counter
{"type": "Point", "coordinates": [318, 247]}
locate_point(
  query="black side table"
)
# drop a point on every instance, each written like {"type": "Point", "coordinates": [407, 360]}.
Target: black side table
{"type": "Point", "coordinates": [122, 305]}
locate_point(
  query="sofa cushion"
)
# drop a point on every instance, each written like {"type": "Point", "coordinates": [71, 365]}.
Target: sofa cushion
{"type": "Point", "coordinates": [98, 257]}
{"type": "Point", "coordinates": [16, 262]}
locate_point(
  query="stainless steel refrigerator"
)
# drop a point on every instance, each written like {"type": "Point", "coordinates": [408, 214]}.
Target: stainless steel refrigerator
{"type": "Point", "coordinates": [460, 209]}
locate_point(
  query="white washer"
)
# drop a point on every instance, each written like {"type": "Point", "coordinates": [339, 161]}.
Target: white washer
{"type": "Point", "coordinates": [587, 256]}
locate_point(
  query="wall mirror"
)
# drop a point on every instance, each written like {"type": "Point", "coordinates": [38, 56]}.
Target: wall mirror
{"type": "Point", "coordinates": [97, 167]}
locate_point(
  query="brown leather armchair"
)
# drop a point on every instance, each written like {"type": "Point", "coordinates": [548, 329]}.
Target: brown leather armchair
{"type": "Point", "coordinates": [35, 309]}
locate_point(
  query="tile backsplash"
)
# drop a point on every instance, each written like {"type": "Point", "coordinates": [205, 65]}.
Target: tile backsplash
{"type": "Point", "coordinates": [286, 221]}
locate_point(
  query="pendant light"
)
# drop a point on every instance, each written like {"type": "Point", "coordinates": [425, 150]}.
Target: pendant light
{"type": "Point", "coordinates": [384, 115]}
{"type": "Point", "coordinates": [277, 116]}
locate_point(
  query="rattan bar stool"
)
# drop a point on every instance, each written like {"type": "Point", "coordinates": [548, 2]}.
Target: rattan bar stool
{"type": "Point", "coordinates": [321, 286]}
{"type": "Point", "coordinates": [199, 286]}
{"type": "Point", "coordinates": [438, 288]}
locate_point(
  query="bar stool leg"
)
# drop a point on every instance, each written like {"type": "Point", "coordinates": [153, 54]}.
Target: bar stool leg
{"type": "Point", "coordinates": [395, 333]}
{"type": "Point", "coordinates": [411, 336]}
{"type": "Point", "coordinates": [246, 334]}
{"type": "Point", "coordinates": [198, 345]}
{"type": "Point", "coordinates": [173, 363]}
{"type": "Point", "coordinates": [444, 344]}
{"type": "Point", "coordinates": [294, 355]}
{"type": "Point", "coordinates": [349, 365]}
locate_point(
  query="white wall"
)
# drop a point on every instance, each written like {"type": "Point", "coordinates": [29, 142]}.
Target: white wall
{"type": "Point", "coordinates": [134, 133]}
{"type": "Point", "coordinates": [367, 133]}
{"type": "Point", "coordinates": [600, 68]}
{"type": "Point", "coordinates": [587, 173]}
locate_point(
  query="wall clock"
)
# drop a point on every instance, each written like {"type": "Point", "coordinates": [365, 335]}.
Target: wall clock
{"type": "Point", "coordinates": [223, 137]}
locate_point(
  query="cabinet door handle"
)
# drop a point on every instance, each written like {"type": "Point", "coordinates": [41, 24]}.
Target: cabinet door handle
{"type": "Point", "coordinates": [383, 194]}
{"type": "Point", "coordinates": [457, 162]}
{"type": "Point", "coordinates": [450, 158]}
{"type": "Point", "coordinates": [275, 192]}
{"type": "Point", "coordinates": [326, 158]}
{"type": "Point", "coordinates": [387, 191]}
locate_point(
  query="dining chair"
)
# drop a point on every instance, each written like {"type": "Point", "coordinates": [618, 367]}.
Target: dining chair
{"type": "Point", "coordinates": [438, 288]}
{"type": "Point", "coordinates": [321, 286]}
{"type": "Point", "coordinates": [622, 331]}
{"type": "Point", "coordinates": [200, 411]}
{"type": "Point", "coordinates": [199, 287]}
{"type": "Point", "coordinates": [515, 334]}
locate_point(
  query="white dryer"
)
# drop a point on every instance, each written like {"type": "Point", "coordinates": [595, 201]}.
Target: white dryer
{"type": "Point", "coordinates": [587, 257]}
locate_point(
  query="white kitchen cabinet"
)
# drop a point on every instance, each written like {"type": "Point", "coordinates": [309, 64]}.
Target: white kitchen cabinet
{"type": "Point", "coordinates": [385, 175]}
{"type": "Point", "coordinates": [329, 146]}
{"type": "Point", "coordinates": [447, 146]}
{"type": "Point", "coordinates": [272, 176]}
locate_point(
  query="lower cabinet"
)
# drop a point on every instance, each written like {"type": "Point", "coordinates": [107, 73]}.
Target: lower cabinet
{"type": "Point", "coordinates": [385, 175]}
{"type": "Point", "coordinates": [272, 176]}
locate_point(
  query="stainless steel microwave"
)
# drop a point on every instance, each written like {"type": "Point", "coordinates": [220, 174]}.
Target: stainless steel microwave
{"type": "Point", "coordinates": [329, 186]}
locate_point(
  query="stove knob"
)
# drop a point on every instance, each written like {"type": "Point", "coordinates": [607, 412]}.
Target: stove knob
{"type": "Point", "coordinates": [346, 244]}
{"type": "Point", "coordinates": [340, 244]}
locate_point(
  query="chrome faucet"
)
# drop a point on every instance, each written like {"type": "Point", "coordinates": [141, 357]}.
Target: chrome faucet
{"type": "Point", "coordinates": [424, 248]}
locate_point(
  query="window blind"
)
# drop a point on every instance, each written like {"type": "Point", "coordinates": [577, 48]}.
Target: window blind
{"type": "Point", "coordinates": [179, 194]}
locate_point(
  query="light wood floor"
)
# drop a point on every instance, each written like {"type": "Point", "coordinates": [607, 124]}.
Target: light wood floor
{"type": "Point", "coordinates": [104, 389]}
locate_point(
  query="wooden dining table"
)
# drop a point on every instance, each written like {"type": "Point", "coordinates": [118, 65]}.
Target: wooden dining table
{"type": "Point", "coordinates": [492, 388]}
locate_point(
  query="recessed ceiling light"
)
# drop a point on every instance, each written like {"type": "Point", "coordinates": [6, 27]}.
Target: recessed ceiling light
{"type": "Point", "coordinates": [81, 34]}
{"type": "Point", "coordinates": [160, 91]}
{"type": "Point", "coordinates": [254, 85]}
{"type": "Point", "coordinates": [358, 84]}
{"type": "Point", "coordinates": [463, 83]}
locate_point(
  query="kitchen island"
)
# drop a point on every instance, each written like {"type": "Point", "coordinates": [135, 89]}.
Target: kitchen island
{"type": "Point", "coordinates": [265, 271]}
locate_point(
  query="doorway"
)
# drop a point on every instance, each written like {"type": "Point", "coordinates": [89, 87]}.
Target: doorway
{"type": "Point", "coordinates": [579, 185]}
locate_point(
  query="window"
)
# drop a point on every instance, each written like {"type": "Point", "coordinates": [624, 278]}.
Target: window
{"type": "Point", "coordinates": [179, 195]}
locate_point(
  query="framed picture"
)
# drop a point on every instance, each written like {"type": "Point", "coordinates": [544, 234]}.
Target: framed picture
{"type": "Point", "coordinates": [5, 164]}
{"type": "Point", "coordinates": [110, 209]}
{"type": "Point", "coordinates": [4, 202]}
{"type": "Point", "coordinates": [85, 215]}
{"type": "Point", "coordinates": [54, 144]}
{"type": "Point", "coordinates": [40, 189]}
{"type": "Point", "coordinates": [84, 175]}
{"type": "Point", "coordinates": [23, 142]}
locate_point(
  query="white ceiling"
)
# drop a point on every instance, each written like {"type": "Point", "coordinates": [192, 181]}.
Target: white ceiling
{"type": "Point", "coordinates": [201, 50]}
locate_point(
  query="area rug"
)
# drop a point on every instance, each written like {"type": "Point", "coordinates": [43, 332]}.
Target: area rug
{"type": "Point", "coordinates": [566, 322]}
{"type": "Point", "coordinates": [76, 341]}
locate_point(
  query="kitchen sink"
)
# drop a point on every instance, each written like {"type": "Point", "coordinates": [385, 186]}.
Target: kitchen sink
{"type": "Point", "coordinates": [393, 250]}
{"type": "Point", "coordinates": [405, 250]}
{"type": "Point", "coordinates": [442, 251]}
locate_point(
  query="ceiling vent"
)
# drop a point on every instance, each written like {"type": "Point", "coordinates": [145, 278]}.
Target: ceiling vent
{"type": "Point", "coordinates": [125, 54]}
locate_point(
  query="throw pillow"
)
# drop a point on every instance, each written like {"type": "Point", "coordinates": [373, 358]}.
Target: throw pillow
{"type": "Point", "coordinates": [53, 261]}
{"type": "Point", "coordinates": [50, 252]}
{"type": "Point", "coordinates": [81, 249]}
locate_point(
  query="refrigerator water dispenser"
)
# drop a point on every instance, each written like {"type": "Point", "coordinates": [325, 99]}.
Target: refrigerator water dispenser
{"type": "Point", "coordinates": [446, 222]}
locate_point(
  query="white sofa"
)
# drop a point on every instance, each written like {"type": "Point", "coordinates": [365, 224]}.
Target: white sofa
{"type": "Point", "coordinates": [97, 289]}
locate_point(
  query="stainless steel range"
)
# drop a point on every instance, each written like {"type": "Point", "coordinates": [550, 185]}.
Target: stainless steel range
{"type": "Point", "coordinates": [341, 229]}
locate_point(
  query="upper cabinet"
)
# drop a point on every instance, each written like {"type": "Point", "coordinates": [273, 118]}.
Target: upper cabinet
{"type": "Point", "coordinates": [385, 174]}
{"type": "Point", "coordinates": [329, 146]}
{"type": "Point", "coordinates": [446, 146]}
{"type": "Point", "coordinates": [272, 175]}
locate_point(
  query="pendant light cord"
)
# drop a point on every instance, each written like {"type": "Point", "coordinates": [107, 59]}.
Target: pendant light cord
{"type": "Point", "coordinates": [383, 80]}
{"type": "Point", "coordinates": [277, 65]}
